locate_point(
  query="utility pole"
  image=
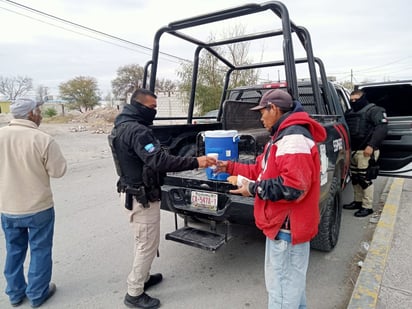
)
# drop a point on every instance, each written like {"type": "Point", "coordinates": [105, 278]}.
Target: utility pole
{"type": "Point", "coordinates": [351, 76]}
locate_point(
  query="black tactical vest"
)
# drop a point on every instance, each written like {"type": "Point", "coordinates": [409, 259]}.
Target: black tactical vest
{"type": "Point", "coordinates": [128, 165]}
{"type": "Point", "coordinates": [359, 126]}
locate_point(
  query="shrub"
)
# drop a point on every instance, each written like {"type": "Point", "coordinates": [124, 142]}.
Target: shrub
{"type": "Point", "coordinates": [50, 112]}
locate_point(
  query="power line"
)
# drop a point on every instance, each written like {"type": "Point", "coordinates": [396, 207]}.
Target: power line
{"type": "Point", "coordinates": [85, 28]}
{"type": "Point", "coordinates": [73, 31]}
{"type": "Point", "coordinates": [370, 70]}
{"type": "Point", "coordinates": [383, 65]}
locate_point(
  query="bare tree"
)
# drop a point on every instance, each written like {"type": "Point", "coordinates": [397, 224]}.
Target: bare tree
{"type": "Point", "coordinates": [347, 84]}
{"type": "Point", "coordinates": [42, 93]}
{"type": "Point", "coordinates": [109, 99]}
{"type": "Point", "coordinates": [14, 87]}
{"type": "Point", "coordinates": [211, 72]}
{"type": "Point", "coordinates": [238, 54]}
{"type": "Point", "coordinates": [129, 78]}
{"type": "Point", "coordinates": [166, 86]}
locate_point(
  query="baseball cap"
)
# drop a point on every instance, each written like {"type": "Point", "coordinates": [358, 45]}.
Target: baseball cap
{"type": "Point", "coordinates": [278, 97]}
{"type": "Point", "coordinates": [22, 106]}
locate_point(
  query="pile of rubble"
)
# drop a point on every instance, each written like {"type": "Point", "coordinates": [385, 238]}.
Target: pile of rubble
{"type": "Point", "coordinates": [99, 121]}
{"type": "Point", "coordinates": [78, 129]}
{"type": "Point", "coordinates": [106, 114]}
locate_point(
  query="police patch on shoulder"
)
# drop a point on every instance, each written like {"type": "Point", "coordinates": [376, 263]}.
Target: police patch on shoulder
{"type": "Point", "coordinates": [149, 147]}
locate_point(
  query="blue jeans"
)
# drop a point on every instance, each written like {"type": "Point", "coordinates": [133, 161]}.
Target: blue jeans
{"type": "Point", "coordinates": [20, 231]}
{"type": "Point", "coordinates": [285, 274]}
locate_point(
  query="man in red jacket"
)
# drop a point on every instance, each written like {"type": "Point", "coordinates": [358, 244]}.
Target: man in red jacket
{"type": "Point", "coordinates": [285, 181]}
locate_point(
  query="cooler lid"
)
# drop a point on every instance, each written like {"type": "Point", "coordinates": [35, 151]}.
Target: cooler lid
{"type": "Point", "coordinates": [221, 133]}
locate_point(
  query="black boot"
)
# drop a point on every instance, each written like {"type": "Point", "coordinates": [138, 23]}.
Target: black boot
{"type": "Point", "coordinates": [353, 205]}
{"type": "Point", "coordinates": [153, 280]}
{"type": "Point", "coordinates": [143, 301]}
{"type": "Point", "coordinates": [363, 212]}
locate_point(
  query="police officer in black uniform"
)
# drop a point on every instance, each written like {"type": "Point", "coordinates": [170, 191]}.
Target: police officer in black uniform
{"type": "Point", "coordinates": [141, 164]}
{"type": "Point", "coordinates": [368, 128]}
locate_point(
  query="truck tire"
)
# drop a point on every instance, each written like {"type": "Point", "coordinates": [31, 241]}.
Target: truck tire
{"type": "Point", "coordinates": [329, 225]}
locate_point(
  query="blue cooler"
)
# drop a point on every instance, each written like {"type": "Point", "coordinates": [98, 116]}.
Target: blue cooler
{"type": "Point", "coordinates": [225, 143]}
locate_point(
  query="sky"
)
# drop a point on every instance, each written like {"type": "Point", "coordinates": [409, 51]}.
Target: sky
{"type": "Point", "coordinates": [358, 40]}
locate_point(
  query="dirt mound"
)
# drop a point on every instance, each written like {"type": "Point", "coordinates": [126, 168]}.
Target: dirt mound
{"type": "Point", "coordinates": [97, 120]}
{"type": "Point", "coordinates": [107, 114]}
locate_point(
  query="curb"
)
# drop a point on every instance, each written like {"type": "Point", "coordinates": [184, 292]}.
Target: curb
{"type": "Point", "coordinates": [366, 291]}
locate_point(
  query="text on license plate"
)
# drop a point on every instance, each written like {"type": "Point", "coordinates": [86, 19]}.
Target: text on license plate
{"type": "Point", "coordinates": [204, 200]}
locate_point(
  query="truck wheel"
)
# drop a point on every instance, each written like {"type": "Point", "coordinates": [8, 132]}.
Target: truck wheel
{"type": "Point", "coordinates": [329, 225]}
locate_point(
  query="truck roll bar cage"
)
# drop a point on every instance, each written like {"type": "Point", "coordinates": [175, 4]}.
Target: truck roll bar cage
{"type": "Point", "coordinates": [289, 61]}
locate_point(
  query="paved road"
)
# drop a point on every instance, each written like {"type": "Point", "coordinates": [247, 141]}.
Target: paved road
{"type": "Point", "coordinates": [93, 249]}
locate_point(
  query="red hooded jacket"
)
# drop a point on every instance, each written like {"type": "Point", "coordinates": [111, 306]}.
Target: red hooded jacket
{"type": "Point", "coordinates": [287, 176]}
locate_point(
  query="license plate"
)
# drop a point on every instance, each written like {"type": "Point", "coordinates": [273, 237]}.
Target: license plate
{"type": "Point", "coordinates": [204, 200]}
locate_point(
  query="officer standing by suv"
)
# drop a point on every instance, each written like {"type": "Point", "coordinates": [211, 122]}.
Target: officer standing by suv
{"type": "Point", "coordinates": [141, 164]}
{"type": "Point", "coordinates": [368, 128]}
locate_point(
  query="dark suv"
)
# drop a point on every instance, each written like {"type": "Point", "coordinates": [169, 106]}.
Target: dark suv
{"type": "Point", "coordinates": [396, 151]}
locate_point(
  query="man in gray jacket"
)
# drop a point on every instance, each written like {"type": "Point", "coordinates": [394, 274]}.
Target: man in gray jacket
{"type": "Point", "coordinates": [29, 157]}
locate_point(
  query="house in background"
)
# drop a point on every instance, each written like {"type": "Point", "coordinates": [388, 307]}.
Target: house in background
{"type": "Point", "coordinates": [4, 107]}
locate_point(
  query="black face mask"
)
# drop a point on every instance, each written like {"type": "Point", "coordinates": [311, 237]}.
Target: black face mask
{"type": "Point", "coordinates": [147, 113]}
{"type": "Point", "coordinates": [358, 104]}
{"type": "Point", "coordinates": [150, 112]}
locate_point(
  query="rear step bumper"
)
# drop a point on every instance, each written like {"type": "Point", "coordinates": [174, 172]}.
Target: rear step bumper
{"type": "Point", "coordinates": [198, 238]}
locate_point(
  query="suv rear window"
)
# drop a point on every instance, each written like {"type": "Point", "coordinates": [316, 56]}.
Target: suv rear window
{"type": "Point", "coordinates": [396, 99]}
